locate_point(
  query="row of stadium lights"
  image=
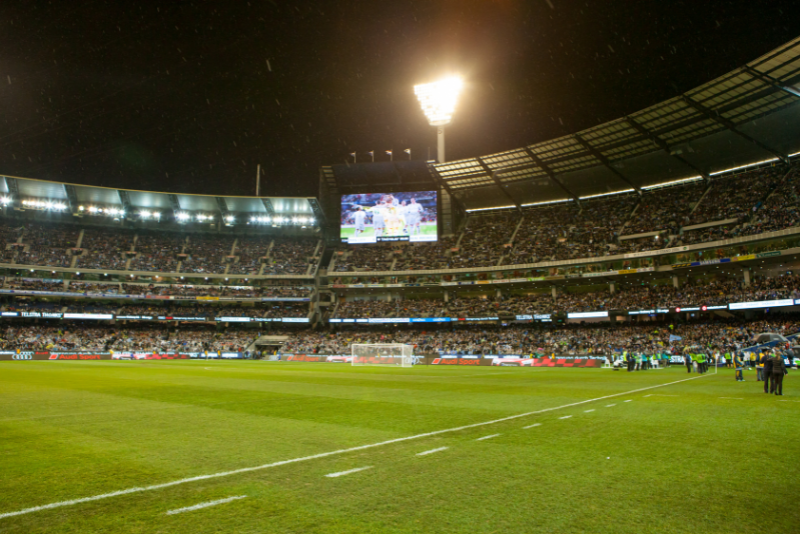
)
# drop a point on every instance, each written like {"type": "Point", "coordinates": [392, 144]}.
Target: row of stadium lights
{"type": "Point", "coordinates": [182, 217]}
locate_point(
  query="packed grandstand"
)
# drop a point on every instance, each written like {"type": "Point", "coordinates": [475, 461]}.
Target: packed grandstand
{"type": "Point", "coordinates": [673, 227]}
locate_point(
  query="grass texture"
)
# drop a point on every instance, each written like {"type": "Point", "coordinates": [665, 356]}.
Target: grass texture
{"type": "Point", "coordinates": [704, 455]}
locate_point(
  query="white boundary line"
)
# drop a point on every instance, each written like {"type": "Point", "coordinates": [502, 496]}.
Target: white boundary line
{"type": "Point", "coordinates": [531, 426]}
{"type": "Point", "coordinates": [565, 417]}
{"type": "Point", "coordinates": [205, 505]}
{"type": "Point", "coordinates": [425, 453]}
{"type": "Point", "coordinates": [321, 455]}
{"type": "Point", "coordinates": [487, 437]}
{"type": "Point", "coordinates": [349, 471]}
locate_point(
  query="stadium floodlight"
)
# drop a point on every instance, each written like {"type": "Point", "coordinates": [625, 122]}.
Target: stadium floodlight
{"type": "Point", "coordinates": [5, 201]}
{"type": "Point", "coordinates": [182, 216]}
{"type": "Point", "coordinates": [438, 101]}
{"type": "Point", "coordinates": [229, 219]}
{"type": "Point", "coordinates": [144, 214]}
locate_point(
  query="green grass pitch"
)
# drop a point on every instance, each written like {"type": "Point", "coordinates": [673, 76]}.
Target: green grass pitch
{"type": "Point", "coordinates": [425, 229]}
{"type": "Point", "coordinates": [704, 455]}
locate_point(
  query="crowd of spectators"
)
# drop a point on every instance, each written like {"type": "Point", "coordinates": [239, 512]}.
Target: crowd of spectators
{"type": "Point", "coordinates": [366, 257]}
{"type": "Point", "coordinates": [664, 208]}
{"type": "Point", "coordinates": [158, 251]}
{"type": "Point", "coordinates": [250, 251]}
{"type": "Point", "coordinates": [291, 256]}
{"type": "Point", "coordinates": [780, 210]}
{"type": "Point", "coordinates": [397, 308]}
{"type": "Point", "coordinates": [534, 339]}
{"type": "Point", "coordinates": [178, 290]}
{"type": "Point", "coordinates": [422, 256]}
{"type": "Point", "coordinates": [9, 233]}
{"type": "Point", "coordinates": [48, 244]}
{"type": "Point", "coordinates": [483, 241]}
{"type": "Point", "coordinates": [736, 197]}
{"type": "Point", "coordinates": [105, 248]}
{"type": "Point", "coordinates": [151, 338]}
{"type": "Point", "coordinates": [33, 284]}
{"type": "Point", "coordinates": [207, 254]}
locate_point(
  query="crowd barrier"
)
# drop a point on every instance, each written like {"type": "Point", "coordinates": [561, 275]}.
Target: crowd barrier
{"type": "Point", "coordinates": [102, 355]}
{"type": "Point", "coordinates": [485, 360]}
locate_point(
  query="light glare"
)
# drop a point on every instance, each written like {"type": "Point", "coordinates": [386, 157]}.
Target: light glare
{"type": "Point", "coordinates": [438, 99]}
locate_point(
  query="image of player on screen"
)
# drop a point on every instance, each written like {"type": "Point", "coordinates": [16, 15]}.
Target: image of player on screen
{"type": "Point", "coordinates": [373, 217]}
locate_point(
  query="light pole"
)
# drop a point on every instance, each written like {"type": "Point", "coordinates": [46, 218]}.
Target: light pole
{"type": "Point", "coordinates": [438, 101]}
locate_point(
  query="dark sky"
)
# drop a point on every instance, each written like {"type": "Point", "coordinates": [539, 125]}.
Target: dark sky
{"type": "Point", "coordinates": [190, 96]}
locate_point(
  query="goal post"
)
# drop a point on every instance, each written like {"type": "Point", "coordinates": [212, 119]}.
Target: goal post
{"type": "Point", "coordinates": [397, 354]}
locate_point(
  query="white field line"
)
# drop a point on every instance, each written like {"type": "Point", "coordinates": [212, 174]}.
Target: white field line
{"type": "Point", "coordinates": [487, 437]}
{"type": "Point", "coordinates": [588, 411]}
{"type": "Point", "coordinates": [425, 453]}
{"type": "Point", "coordinates": [221, 474]}
{"type": "Point", "coordinates": [627, 400]}
{"type": "Point", "coordinates": [531, 426]}
{"type": "Point", "coordinates": [565, 417]}
{"type": "Point", "coordinates": [205, 505]}
{"type": "Point", "coordinates": [349, 471]}
{"type": "Point", "coordinates": [610, 405]}
{"type": "Point", "coordinates": [648, 395]}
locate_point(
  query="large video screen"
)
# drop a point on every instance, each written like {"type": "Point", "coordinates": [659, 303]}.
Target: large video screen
{"type": "Point", "coordinates": [376, 217]}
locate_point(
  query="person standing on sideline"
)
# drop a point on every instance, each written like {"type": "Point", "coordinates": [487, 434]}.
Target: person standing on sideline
{"type": "Point", "coordinates": [778, 370]}
{"type": "Point", "coordinates": [760, 367]}
{"type": "Point", "coordinates": [738, 364]}
{"type": "Point", "coordinates": [687, 359]}
{"type": "Point", "coordinates": [767, 372]}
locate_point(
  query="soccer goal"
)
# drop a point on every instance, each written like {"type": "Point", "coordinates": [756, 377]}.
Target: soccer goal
{"type": "Point", "coordinates": [382, 354]}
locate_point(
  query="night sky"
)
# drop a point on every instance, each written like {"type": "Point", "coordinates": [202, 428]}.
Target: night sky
{"type": "Point", "coordinates": [190, 96]}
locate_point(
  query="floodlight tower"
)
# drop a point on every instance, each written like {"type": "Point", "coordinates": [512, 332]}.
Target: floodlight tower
{"type": "Point", "coordinates": [438, 101]}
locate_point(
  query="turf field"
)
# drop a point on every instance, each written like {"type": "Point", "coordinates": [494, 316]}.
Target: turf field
{"type": "Point", "coordinates": [349, 231]}
{"type": "Point", "coordinates": [703, 455]}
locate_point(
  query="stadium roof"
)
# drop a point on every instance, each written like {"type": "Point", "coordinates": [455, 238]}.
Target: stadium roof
{"type": "Point", "coordinates": [748, 115]}
{"type": "Point", "coordinates": [74, 196]}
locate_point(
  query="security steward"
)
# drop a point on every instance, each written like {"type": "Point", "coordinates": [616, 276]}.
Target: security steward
{"type": "Point", "coordinates": [778, 370]}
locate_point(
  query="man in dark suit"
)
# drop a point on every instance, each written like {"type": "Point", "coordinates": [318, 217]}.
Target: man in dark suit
{"type": "Point", "coordinates": [766, 361]}
{"type": "Point", "coordinates": [778, 370]}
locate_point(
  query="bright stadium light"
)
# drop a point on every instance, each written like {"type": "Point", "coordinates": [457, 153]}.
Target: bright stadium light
{"type": "Point", "coordinates": [182, 216]}
{"type": "Point", "coordinates": [438, 101]}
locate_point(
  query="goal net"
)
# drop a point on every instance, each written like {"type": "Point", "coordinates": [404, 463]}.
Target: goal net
{"type": "Point", "coordinates": [382, 354]}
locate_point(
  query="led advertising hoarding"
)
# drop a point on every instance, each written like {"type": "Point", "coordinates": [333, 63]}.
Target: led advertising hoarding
{"type": "Point", "coordinates": [379, 217]}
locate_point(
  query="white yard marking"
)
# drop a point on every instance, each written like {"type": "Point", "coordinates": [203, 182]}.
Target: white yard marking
{"type": "Point", "coordinates": [648, 396]}
{"type": "Point", "coordinates": [587, 411]}
{"type": "Point", "coordinates": [440, 449]}
{"type": "Point", "coordinates": [342, 473]}
{"type": "Point", "coordinates": [565, 417]}
{"type": "Point", "coordinates": [531, 426]}
{"type": "Point", "coordinates": [628, 400]}
{"type": "Point", "coordinates": [221, 474]}
{"type": "Point", "coordinates": [487, 437]}
{"type": "Point", "coordinates": [205, 505]}
{"type": "Point", "coordinates": [610, 405]}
